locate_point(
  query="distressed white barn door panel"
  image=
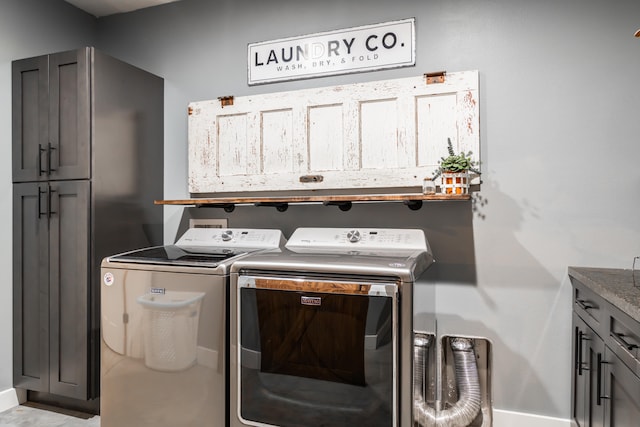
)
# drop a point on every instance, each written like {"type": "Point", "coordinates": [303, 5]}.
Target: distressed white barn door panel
{"type": "Point", "coordinates": [377, 135]}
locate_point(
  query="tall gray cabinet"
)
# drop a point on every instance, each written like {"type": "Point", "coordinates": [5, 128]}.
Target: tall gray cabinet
{"type": "Point", "coordinates": [87, 159]}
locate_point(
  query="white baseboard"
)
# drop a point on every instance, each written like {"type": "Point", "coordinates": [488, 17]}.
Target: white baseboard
{"type": "Point", "coordinates": [11, 397]}
{"type": "Point", "coordinates": [503, 418]}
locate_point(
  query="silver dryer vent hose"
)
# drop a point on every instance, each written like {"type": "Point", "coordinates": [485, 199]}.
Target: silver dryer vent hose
{"type": "Point", "coordinates": [465, 410]}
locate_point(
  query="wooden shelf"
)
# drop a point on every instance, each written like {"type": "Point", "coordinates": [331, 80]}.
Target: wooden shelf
{"type": "Point", "coordinates": [412, 200]}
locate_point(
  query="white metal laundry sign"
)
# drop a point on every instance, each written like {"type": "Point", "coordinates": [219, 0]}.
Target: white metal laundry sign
{"type": "Point", "coordinates": [357, 49]}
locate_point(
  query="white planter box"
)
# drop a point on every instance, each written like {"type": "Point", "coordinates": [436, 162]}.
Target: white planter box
{"type": "Point", "coordinates": [454, 182]}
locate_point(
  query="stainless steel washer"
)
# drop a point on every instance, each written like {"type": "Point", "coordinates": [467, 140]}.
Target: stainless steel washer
{"type": "Point", "coordinates": [321, 331]}
{"type": "Point", "coordinates": [164, 329]}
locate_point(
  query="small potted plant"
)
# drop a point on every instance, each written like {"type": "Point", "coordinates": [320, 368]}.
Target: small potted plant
{"type": "Point", "coordinates": [454, 171]}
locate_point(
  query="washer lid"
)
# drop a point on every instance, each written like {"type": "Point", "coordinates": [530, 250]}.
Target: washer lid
{"type": "Point", "coordinates": [205, 247]}
{"type": "Point", "coordinates": [176, 255]}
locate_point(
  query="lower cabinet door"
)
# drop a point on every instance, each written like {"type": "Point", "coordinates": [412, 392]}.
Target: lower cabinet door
{"type": "Point", "coordinates": [595, 353]}
{"type": "Point", "coordinates": [579, 374]}
{"type": "Point", "coordinates": [69, 293]}
{"type": "Point", "coordinates": [621, 393]}
{"type": "Point", "coordinates": [30, 287]}
{"type": "Point", "coordinates": [588, 349]}
{"type": "Point", "coordinates": [51, 287]}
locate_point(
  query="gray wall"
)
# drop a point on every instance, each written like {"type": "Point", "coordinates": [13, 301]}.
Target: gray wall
{"type": "Point", "coordinates": [560, 97]}
{"type": "Point", "coordinates": [560, 110]}
{"type": "Point", "coordinates": [560, 113]}
{"type": "Point", "coordinates": [27, 28]}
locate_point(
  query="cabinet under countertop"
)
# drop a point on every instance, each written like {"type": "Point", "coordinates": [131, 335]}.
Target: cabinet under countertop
{"type": "Point", "coordinates": [606, 347]}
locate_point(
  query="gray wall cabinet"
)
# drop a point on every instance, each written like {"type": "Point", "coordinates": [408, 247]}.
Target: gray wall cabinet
{"type": "Point", "coordinates": [51, 117]}
{"type": "Point", "coordinates": [87, 166]}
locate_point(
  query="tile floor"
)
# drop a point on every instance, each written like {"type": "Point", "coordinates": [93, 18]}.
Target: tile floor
{"type": "Point", "coordinates": [32, 415]}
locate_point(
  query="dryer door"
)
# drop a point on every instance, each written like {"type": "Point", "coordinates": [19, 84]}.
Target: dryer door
{"type": "Point", "coordinates": [317, 352]}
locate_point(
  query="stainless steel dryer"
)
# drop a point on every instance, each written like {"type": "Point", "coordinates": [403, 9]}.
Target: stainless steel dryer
{"type": "Point", "coordinates": [321, 331]}
{"type": "Point", "coordinates": [164, 330]}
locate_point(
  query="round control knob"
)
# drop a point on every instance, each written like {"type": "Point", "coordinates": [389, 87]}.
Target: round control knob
{"type": "Point", "coordinates": [354, 236]}
{"type": "Point", "coordinates": [227, 235]}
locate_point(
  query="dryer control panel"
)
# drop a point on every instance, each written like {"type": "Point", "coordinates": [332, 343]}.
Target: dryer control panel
{"type": "Point", "coordinates": [349, 239]}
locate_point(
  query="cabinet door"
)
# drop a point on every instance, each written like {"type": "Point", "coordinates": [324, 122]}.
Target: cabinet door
{"type": "Point", "coordinates": [30, 125]}
{"type": "Point", "coordinates": [594, 405]}
{"type": "Point", "coordinates": [30, 287]}
{"type": "Point", "coordinates": [51, 117]}
{"type": "Point", "coordinates": [621, 393]}
{"type": "Point", "coordinates": [67, 151]}
{"type": "Point", "coordinates": [383, 134]}
{"type": "Point", "coordinates": [69, 283]}
{"type": "Point", "coordinates": [579, 373]}
{"type": "Point", "coordinates": [588, 350]}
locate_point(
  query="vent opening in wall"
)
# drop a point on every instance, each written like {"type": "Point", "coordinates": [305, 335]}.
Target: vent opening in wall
{"type": "Point", "coordinates": [452, 381]}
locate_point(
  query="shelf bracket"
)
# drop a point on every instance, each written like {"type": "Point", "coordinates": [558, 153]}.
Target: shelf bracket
{"type": "Point", "coordinates": [280, 206]}
{"type": "Point", "coordinates": [228, 207]}
{"type": "Point", "coordinates": [343, 206]}
{"type": "Point", "coordinates": [414, 205]}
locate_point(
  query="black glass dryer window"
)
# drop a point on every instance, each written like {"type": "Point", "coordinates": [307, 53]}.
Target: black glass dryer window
{"type": "Point", "coordinates": [316, 359]}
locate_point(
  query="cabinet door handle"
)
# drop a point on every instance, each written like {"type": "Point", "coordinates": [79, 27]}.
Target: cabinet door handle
{"type": "Point", "coordinates": [576, 350]}
{"type": "Point", "coordinates": [619, 338]}
{"type": "Point", "coordinates": [40, 213]}
{"type": "Point", "coordinates": [584, 304]}
{"type": "Point", "coordinates": [50, 148]}
{"type": "Point", "coordinates": [50, 191]}
{"type": "Point", "coordinates": [40, 151]}
{"type": "Point", "coordinates": [599, 395]}
{"type": "Point", "coordinates": [311, 178]}
{"type": "Point", "coordinates": [581, 365]}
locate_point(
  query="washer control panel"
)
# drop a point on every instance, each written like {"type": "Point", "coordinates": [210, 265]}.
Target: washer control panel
{"type": "Point", "coordinates": [349, 239]}
{"type": "Point", "coordinates": [231, 238]}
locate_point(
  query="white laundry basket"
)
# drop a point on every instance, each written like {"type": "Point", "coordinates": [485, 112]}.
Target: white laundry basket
{"type": "Point", "coordinates": [170, 329]}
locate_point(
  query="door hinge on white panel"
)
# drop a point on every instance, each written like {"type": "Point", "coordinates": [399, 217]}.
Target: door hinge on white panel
{"type": "Point", "coordinates": [435, 77]}
{"type": "Point", "coordinates": [225, 100]}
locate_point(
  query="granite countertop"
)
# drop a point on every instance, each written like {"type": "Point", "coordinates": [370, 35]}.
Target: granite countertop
{"type": "Point", "coordinates": [614, 285]}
